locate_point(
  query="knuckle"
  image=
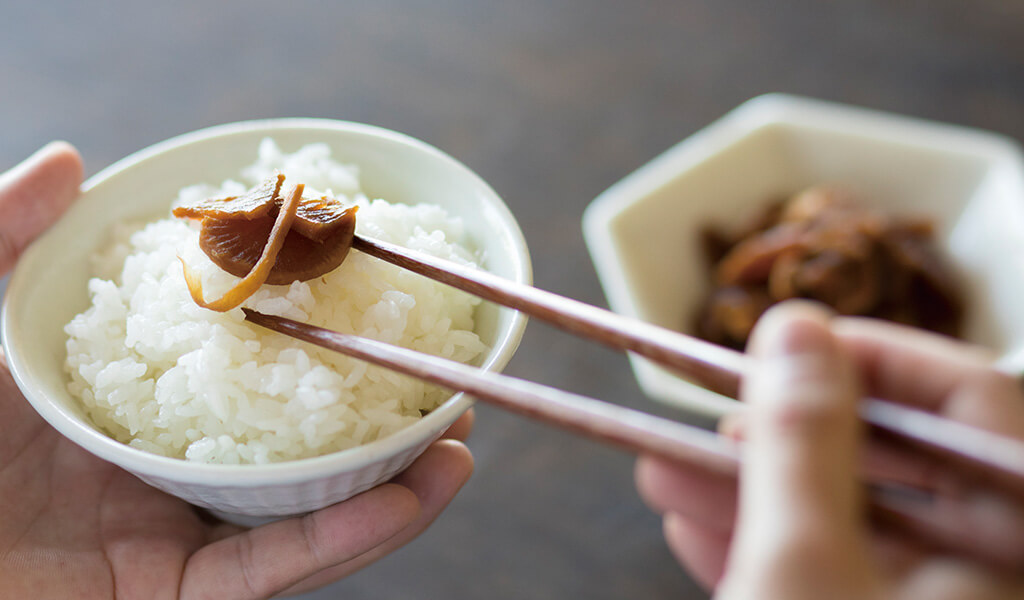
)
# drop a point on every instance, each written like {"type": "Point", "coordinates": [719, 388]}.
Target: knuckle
{"type": "Point", "coordinates": [804, 416]}
{"type": "Point", "coordinates": [250, 572]}
{"type": "Point", "coordinates": [997, 382]}
{"type": "Point", "coordinates": [312, 540]}
{"type": "Point", "coordinates": [799, 397]}
{"type": "Point", "coordinates": [787, 565]}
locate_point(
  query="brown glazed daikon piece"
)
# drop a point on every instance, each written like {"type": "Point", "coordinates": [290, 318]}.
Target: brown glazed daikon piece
{"type": "Point", "coordinates": [235, 246]}
{"type": "Point", "coordinates": [320, 218]}
{"type": "Point", "coordinates": [316, 218]}
{"type": "Point", "coordinates": [234, 232]}
{"type": "Point", "coordinates": [823, 246]}
{"type": "Point", "coordinates": [253, 204]}
{"type": "Point", "coordinates": [256, 276]}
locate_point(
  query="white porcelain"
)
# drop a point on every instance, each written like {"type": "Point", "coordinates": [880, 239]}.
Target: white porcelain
{"type": "Point", "coordinates": [49, 287]}
{"type": "Point", "coordinates": [643, 232]}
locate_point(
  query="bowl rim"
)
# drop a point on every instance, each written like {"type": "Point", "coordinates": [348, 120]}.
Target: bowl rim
{"type": "Point", "coordinates": [227, 475]}
{"type": "Point", "coordinates": [755, 114]}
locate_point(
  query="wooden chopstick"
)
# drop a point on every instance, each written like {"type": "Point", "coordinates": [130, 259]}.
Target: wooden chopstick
{"type": "Point", "coordinates": [717, 368]}
{"type": "Point", "coordinates": [629, 429]}
{"type": "Point", "coordinates": [995, 458]}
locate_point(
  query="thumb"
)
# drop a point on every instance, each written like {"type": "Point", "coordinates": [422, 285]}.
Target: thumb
{"type": "Point", "coordinates": [33, 195]}
{"type": "Point", "coordinates": [800, 509]}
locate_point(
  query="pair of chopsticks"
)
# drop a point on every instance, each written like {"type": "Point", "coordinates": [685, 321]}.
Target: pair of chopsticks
{"type": "Point", "coordinates": [995, 460]}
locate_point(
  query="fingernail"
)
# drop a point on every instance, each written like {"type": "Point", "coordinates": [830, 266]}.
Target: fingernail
{"type": "Point", "coordinates": [793, 328]}
{"type": "Point", "coordinates": [49, 147]}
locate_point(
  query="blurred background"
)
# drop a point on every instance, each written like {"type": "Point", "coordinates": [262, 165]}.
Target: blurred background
{"type": "Point", "coordinates": [550, 102]}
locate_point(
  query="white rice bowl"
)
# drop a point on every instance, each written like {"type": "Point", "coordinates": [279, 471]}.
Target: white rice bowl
{"type": "Point", "coordinates": [157, 372]}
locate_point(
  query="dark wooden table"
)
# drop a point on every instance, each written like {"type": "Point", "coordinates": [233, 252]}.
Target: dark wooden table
{"type": "Point", "coordinates": [551, 101]}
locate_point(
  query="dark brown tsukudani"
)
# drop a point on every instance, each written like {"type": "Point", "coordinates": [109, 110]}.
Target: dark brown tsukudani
{"type": "Point", "coordinates": [255, 277]}
{"type": "Point", "coordinates": [250, 236]}
{"type": "Point", "coordinates": [253, 204]}
{"type": "Point", "coordinates": [822, 245]}
{"type": "Point", "coordinates": [231, 246]}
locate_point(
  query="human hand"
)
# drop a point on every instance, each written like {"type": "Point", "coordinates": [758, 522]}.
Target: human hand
{"type": "Point", "coordinates": [796, 529]}
{"type": "Point", "coordinates": [74, 526]}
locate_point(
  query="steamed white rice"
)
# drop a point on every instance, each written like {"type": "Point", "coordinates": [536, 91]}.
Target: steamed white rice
{"type": "Point", "coordinates": [161, 374]}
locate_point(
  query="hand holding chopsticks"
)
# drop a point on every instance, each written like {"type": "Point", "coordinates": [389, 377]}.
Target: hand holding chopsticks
{"type": "Point", "coordinates": [796, 528]}
{"type": "Point", "coordinates": [996, 459]}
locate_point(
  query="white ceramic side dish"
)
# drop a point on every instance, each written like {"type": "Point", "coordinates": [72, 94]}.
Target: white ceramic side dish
{"type": "Point", "coordinates": [643, 232]}
{"type": "Point", "coordinates": [48, 287]}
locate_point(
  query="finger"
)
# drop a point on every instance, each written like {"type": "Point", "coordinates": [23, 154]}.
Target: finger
{"type": "Point", "coordinates": [33, 194]}
{"type": "Point", "coordinates": [21, 424]}
{"type": "Point", "coordinates": [887, 353]}
{"type": "Point", "coordinates": [799, 501]}
{"type": "Point", "coordinates": [261, 562]}
{"type": "Point", "coordinates": [989, 521]}
{"type": "Point", "coordinates": [884, 462]}
{"type": "Point", "coordinates": [701, 549]}
{"type": "Point", "coordinates": [462, 427]}
{"type": "Point", "coordinates": [896, 554]}
{"type": "Point", "coordinates": [669, 487]}
{"type": "Point", "coordinates": [802, 433]}
{"type": "Point", "coordinates": [990, 400]}
{"type": "Point", "coordinates": [949, 579]}
{"type": "Point", "coordinates": [881, 461]}
{"type": "Point", "coordinates": [434, 478]}
{"type": "Point", "coordinates": [960, 383]}
{"type": "Point", "coordinates": [458, 431]}
{"type": "Point", "coordinates": [733, 425]}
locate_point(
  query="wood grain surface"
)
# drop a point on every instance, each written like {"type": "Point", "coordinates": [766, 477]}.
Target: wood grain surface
{"type": "Point", "coordinates": [550, 102]}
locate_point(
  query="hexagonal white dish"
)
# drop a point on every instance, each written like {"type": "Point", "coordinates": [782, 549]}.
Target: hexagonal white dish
{"type": "Point", "coordinates": [643, 232]}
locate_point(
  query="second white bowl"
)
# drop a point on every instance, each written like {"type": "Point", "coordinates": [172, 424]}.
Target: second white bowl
{"type": "Point", "coordinates": [644, 232]}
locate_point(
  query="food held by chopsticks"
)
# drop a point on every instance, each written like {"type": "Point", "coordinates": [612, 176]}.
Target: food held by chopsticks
{"type": "Point", "coordinates": [268, 236]}
{"type": "Point", "coordinates": [822, 245]}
